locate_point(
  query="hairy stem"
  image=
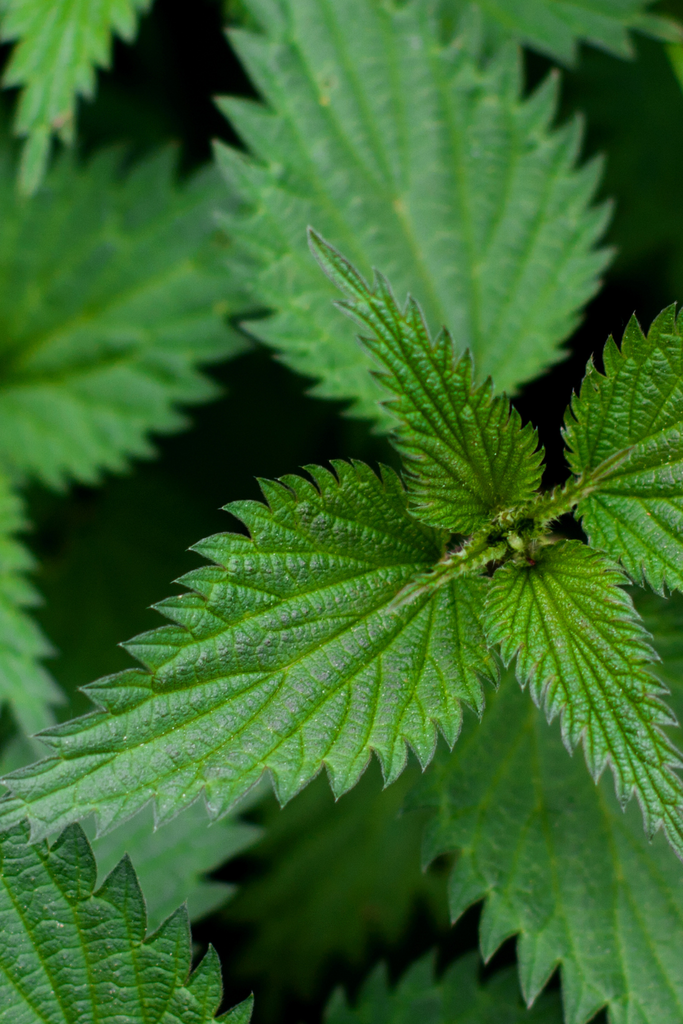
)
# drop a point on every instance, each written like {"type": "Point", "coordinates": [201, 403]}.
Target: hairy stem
{"type": "Point", "coordinates": [513, 534]}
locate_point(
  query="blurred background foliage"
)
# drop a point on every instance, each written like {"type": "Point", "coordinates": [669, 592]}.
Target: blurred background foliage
{"type": "Point", "coordinates": [105, 554]}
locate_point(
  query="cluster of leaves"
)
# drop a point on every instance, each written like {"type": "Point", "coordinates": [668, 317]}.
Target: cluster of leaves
{"type": "Point", "coordinates": [349, 622]}
{"type": "Point", "coordinates": [362, 613]}
{"type": "Point", "coordinates": [385, 628]}
{"type": "Point", "coordinates": [60, 43]}
{"type": "Point", "coordinates": [76, 955]}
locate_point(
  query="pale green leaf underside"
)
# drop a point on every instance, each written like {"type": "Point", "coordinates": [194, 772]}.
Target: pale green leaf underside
{"type": "Point", "coordinates": [171, 863]}
{"type": "Point", "coordinates": [69, 955]}
{"type": "Point", "coordinates": [585, 656]}
{"type": "Point", "coordinates": [555, 27]}
{"type": "Point", "coordinates": [456, 998]}
{"type": "Point", "coordinates": [25, 686]}
{"type": "Point", "coordinates": [290, 653]}
{"type": "Point", "coordinates": [559, 864]}
{"type": "Point", "coordinates": [59, 43]}
{"type": "Point", "coordinates": [413, 156]}
{"type": "Point", "coordinates": [633, 415]}
{"type": "Point", "coordinates": [111, 294]}
{"type": "Point", "coordinates": [466, 454]}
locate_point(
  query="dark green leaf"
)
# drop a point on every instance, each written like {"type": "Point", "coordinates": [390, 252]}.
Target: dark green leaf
{"type": "Point", "coordinates": [466, 453]}
{"type": "Point", "coordinates": [292, 652]}
{"type": "Point", "coordinates": [624, 433]}
{"type": "Point", "coordinates": [69, 955]}
{"type": "Point", "coordinates": [559, 864]}
{"type": "Point", "coordinates": [335, 879]}
{"type": "Point", "coordinates": [171, 863]}
{"type": "Point", "coordinates": [24, 684]}
{"type": "Point", "coordinates": [583, 652]}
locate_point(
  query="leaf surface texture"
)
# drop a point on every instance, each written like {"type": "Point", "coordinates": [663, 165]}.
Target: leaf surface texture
{"type": "Point", "coordinates": [70, 955]}
{"type": "Point", "coordinates": [414, 156]}
{"type": "Point", "coordinates": [289, 653]}
{"type": "Point", "coordinates": [558, 862]}
{"type": "Point", "coordinates": [583, 652]}
{"type": "Point", "coordinates": [466, 454]}
{"type": "Point", "coordinates": [625, 430]}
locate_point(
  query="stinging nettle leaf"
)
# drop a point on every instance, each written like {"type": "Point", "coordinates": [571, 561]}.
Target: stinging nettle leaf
{"type": "Point", "coordinates": [466, 454]}
{"type": "Point", "coordinates": [112, 294]}
{"type": "Point", "coordinates": [59, 43]}
{"type": "Point", "coordinates": [624, 431]}
{"type": "Point", "coordinates": [415, 156]}
{"type": "Point", "coordinates": [584, 653]}
{"type": "Point", "coordinates": [75, 956]}
{"type": "Point", "coordinates": [456, 998]}
{"type": "Point", "coordinates": [291, 652]}
{"type": "Point", "coordinates": [559, 864]}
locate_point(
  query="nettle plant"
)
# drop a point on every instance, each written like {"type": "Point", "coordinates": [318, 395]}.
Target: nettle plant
{"type": "Point", "coordinates": [358, 613]}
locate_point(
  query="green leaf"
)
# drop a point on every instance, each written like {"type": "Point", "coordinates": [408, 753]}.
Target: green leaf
{"type": "Point", "coordinates": [24, 684]}
{"type": "Point", "coordinates": [559, 864]}
{"type": "Point", "coordinates": [240, 1014]}
{"type": "Point", "coordinates": [583, 652]}
{"type": "Point", "coordinates": [335, 880]}
{"type": "Point", "coordinates": [72, 955]}
{"type": "Point", "coordinates": [555, 27]}
{"type": "Point", "coordinates": [291, 652]}
{"type": "Point", "coordinates": [456, 998]}
{"type": "Point", "coordinates": [624, 434]}
{"type": "Point", "coordinates": [171, 862]}
{"type": "Point", "coordinates": [466, 454]}
{"type": "Point", "coordinates": [415, 156]}
{"type": "Point", "coordinates": [111, 294]}
{"type": "Point", "coordinates": [59, 43]}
